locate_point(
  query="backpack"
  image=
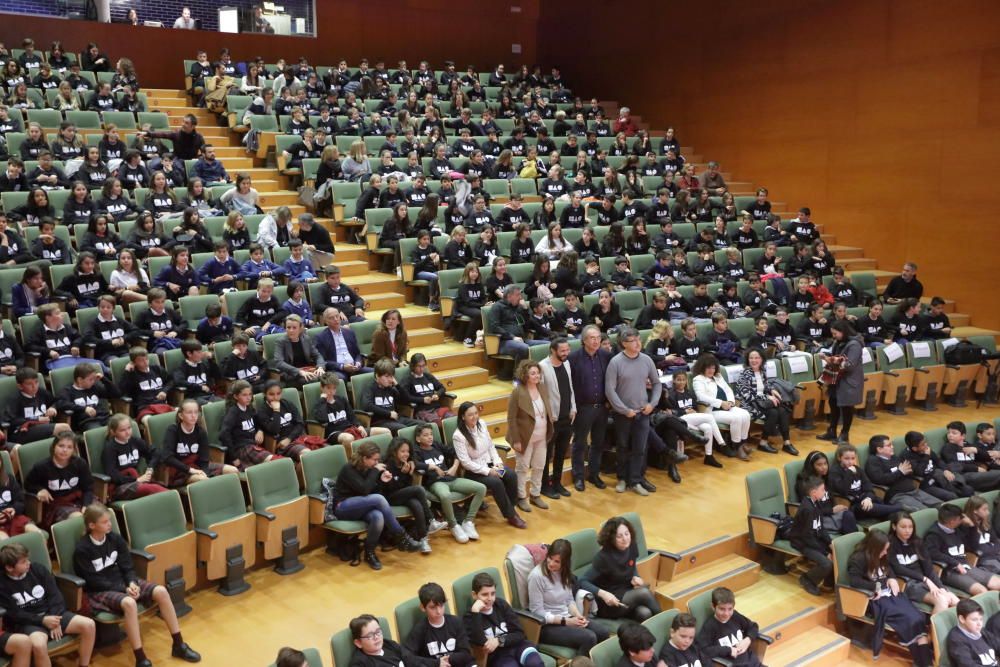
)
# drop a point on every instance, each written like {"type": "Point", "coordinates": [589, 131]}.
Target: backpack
{"type": "Point", "coordinates": [784, 527]}
{"type": "Point", "coordinates": [964, 353]}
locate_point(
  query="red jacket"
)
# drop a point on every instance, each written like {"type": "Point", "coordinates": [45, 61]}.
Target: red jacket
{"type": "Point", "coordinates": [626, 126]}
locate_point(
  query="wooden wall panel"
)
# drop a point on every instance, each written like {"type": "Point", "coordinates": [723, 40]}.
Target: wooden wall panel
{"type": "Point", "coordinates": [878, 114]}
{"type": "Point", "coordinates": [436, 30]}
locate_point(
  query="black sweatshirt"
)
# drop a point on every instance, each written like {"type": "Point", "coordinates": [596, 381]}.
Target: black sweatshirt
{"type": "Point", "coordinates": [450, 639]}
{"type": "Point", "coordinates": [182, 450]}
{"type": "Point", "coordinates": [238, 430]}
{"type": "Point", "coordinates": [190, 378]}
{"type": "Point", "coordinates": [380, 401]}
{"type": "Point", "coordinates": [716, 639]}
{"type": "Point", "coordinates": [807, 528]}
{"type": "Point", "coordinates": [946, 547]}
{"type": "Point", "coordinates": [61, 482]}
{"type": "Point", "coordinates": [852, 485]}
{"type": "Point", "coordinates": [106, 566]}
{"type": "Point", "coordinates": [415, 389]}
{"type": "Point", "coordinates": [45, 340]}
{"type": "Point", "coordinates": [144, 387]}
{"type": "Point", "coordinates": [909, 561]}
{"type": "Point", "coordinates": [76, 400]}
{"type": "Point", "coordinates": [121, 459]}
{"type": "Point", "coordinates": [885, 472]}
{"type": "Point", "coordinates": [11, 495]}
{"type": "Point", "coordinates": [352, 482]}
{"type": "Point", "coordinates": [501, 624]}
{"type": "Point", "coordinates": [964, 651]}
{"type": "Point", "coordinates": [393, 655]}
{"type": "Point", "coordinates": [285, 422]}
{"type": "Point", "coordinates": [169, 320]}
{"type": "Point", "coordinates": [250, 367]}
{"type": "Point", "coordinates": [30, 599]}
{"type": "Point", "coordinates": [102, 332]}
{"type": "Point", "coordinates": [23, 409]}
{"type": "Point", "coordinates": [335, 417]}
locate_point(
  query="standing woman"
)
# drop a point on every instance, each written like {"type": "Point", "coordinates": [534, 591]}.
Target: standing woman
{"type": "Point", "coordinates": [479, 458]}
{"type": "Point", "coordinates": [621, 591]}
{"type": "Point", "coordinates": [847, 390]}
{"type": "Point", "coordinates": [529, 430]}
{"type": "Point", "coordinates": [389, 340]}
{"type": "Point", "coordinates": [868, 569]}
{"type": "Point", "coordinates": [764, 402]}
{"type": "Point", "coordinates": [551, 597]}
{"type": "Point", "coordinates": [712, 389]}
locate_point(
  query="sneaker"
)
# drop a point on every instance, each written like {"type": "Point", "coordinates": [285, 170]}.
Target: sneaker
{"type": "Point", "coordinates": [621, 486]}
{"type": "Point", "coordinates": [425, 546]}
{"type": "Point", "coordinates": [435, 307]}
{"type": "Point", "coordinates": [435, 526]}
{"type": "Point", "coordinates": [470, 530]}
{"type": "Point", "coordinates": [639, 489]}
{"type": "Point", "coordinates": [468, 342]}
{"type": "Point", "coordinates": [459, 534]}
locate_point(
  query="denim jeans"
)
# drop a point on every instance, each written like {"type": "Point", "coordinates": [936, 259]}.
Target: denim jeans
{"type": "Point", "coordinates": [374, 510]}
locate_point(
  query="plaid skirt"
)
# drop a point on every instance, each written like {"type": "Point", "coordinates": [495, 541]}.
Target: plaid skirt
{"type": "Point", "coordinates": [111, 601]}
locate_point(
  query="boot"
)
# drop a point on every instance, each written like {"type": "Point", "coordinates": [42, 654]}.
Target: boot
{"type": "Point", "coordinates": [829, 436]}
{"type": "Point", "coordinates": [372, 560]}
{"type": "Point", "coordinates": [674, 473]}
{"type": "Point", "coordinates": [404, 542]}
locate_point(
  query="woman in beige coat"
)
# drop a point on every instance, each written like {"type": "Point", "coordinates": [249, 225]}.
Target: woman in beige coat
{"type": "Point", "coordinates": [529, 430]}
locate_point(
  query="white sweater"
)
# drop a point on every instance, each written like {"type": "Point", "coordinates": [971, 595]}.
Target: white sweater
{"type": "Point", "coordinates": [706, 390]}
{"type": "Point", "coordinates": [477, 460]}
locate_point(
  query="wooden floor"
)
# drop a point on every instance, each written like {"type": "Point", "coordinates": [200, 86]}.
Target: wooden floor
{"type": "Point", "coordinates": [306, 608]}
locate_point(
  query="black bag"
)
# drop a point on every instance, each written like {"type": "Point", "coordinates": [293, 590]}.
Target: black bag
{"type": "Point", "coordinates": [784, 525]}
{"type": "Point", "coordinates": [964, 353]}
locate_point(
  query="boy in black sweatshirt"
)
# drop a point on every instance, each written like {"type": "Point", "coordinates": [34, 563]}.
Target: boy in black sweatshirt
{"type": "Point", "coordinates": [341, 297]}
{"type": "Point", "coordinates": [103, 560]}
{"type": "Point", "coordinates": [31, 411]}
{"type": "Point", "coordinates": [160, 323]}
{"type": "Point", "coordinates": [935, 325]}
{"type": "Point", "coordinates": [728, 634]}
{"type": "Point", "coordinates": [886, 469]}
{"type": "Point", "coordinates": [56, 343]}
{"type": "Point", "coordinates": [964, 458]}
{"type": "Point", "coordinates": [110, 335]}
{"type": "Point", "coordinates": [439, 634]}
{"type": "Point", "coordinates": [492, 624]}
{"type": "Point", "coordinates": [807, 535]}
{"type": "Point", "coordinates": [145, 384]}
{"type": "Point", "coordinates": [245, 364]}
{"type": "Point", "coordinates": [945, 544]}
{"type": "Point", "coordinates": [722, 342]}
{"type": "Point", "coordinates": [928, 467]}
{"type": "Point", "coordinates": [197, 376]}
{"type": "Point", "coordinates": [383, 399]}
{"type": "Point", "coordinates": [372, 649]}
{"type": "Point", "coordinates": [701, 301]}
{"type": "Point", "coordinates": [35, 606]}
{"type": "Point", "coordinates": [86, 400]}
{"type": "Point", "coordinates": [969, 643]}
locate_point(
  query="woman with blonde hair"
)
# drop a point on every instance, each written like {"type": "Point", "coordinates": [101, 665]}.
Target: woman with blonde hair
{"type": "Point", "coordinates": [357, 166]}
{"type": "Point", "coordinates": [529, 430]}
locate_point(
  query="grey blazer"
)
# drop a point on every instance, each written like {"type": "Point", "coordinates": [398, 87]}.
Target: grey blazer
{"type": "Point", "coordinates": [850, 386]}
{"type": "Point", "coordinates": [282, 361]}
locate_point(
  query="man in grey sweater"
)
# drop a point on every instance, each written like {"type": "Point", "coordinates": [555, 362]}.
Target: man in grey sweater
{"type": "Point", "coordinates": [628, 380]}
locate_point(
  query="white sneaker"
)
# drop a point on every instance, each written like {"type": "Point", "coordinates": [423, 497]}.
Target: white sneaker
{"type": "Point", "coordinates": [460, 536]}
{"type": "Point", "coordinates": [435, 526]}
{"type": "Point", "coordinates": [620, 487]}
{"type": "Point", "coordinates": [468, 342]}
{"type": "Point", "coordinates": [470, 530]}
{"type": "Point", "coordinates": [425, 546]}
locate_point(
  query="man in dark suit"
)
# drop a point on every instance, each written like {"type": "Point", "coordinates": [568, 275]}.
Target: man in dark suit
{"type": "Point", "coordinates": [339, 347]}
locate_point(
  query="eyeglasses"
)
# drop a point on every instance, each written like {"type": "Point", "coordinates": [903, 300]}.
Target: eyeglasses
{"type": "Point", "coordinates": [372, 635]}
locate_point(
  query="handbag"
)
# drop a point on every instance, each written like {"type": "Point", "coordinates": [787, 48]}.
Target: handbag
{"type": "Point", "coordinates": [307, 197]}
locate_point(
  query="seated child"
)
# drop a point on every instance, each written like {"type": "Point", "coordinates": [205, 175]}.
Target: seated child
{"type": "Point", "coordinates": [439, 634]}
{"type": "Point", "coordinates": [214, 327]}
{"type": "Point", "coordinates": [728, 634]}
{"type": "Point", "coordinates": [493, 625]}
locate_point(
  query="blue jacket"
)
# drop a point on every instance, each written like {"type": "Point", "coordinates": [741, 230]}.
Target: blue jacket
{"type": "Point", "coordinates": [303, 310]}
{"type": "Point", "coordinates": [210, 172]}
{"type": "Point", "coordinates": [213, 268]}
{"type": "Point", "coordinates": [299, 270]}
{"type": "Point", "coordinates": [169, 274]}
{"type": "Point", "coordinates": [19, 301]}
{"type": "Point", "coordinates": [326, 347]}
{"type": "Point", "coordinates": [251, 270]}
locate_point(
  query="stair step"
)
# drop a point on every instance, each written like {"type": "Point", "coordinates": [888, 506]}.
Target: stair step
{"type": "Point", "coordinates": [965, 332]}
{"type": "Point", "coordinates": [283, 198]}
{"type": "Point", "coordinates": [420, 338]}
{"type": "Point", "coordinates": [949, 304]}
{"type": "Point", "coordinates": [414, 317]}
{"type": "Point", "coordinates": [490, 397]}
{"type": "Point", "coordinates": [858, 263]}
{"type": "Point", "coordinates": [844, 252]}
{"type": "Point", "coordinates": [446, 356]}
{"type": "Point", "coordinates": [167, 92]}
{"type": "Point", "coordinates": [385, 301]}
{"type": "Point", "coordinates": [781, 607]}
{"type": "Point", "coordinates": [376, 283]}
{"type": "Point", "coordinates": [817, 648]}
{"type": "Point", "coordinates": [352, 267]}
{"type": "Point", "coordinates": [733, 572]}
{"type": "Point", "coordinates": [959, 319]}
{"type": "Point", "coordinates": [351, 252]}
{"type": "Point", "coordinates": [463, 378]}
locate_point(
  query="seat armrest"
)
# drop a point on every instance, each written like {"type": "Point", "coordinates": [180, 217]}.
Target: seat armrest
{"type": "Point", "coordinates": [270, 516]}
{"type": "Point", "coordinates": [210, 534]}
{"type": "Point", "coordinates": [145, 555]}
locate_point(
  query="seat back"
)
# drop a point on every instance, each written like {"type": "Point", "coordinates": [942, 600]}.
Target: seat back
{"type": "Point", "coordinates": [38, 551]}
{"type": "Point", "coordinates": [659, 625]}
{"type": "Point", "coordinates": [700, 606]}
{"type": "Point", "coordinates": [892, 357]}
{"type": "Point", "coordinates": [313, 658]}
{"type": "Point", "coordinates": [764, 493]}
{"type": "Point", "coordinates": [321, 463]}
{"type": "Point", "coordinates": [272, 483]}
{"type": "Point", "coordinates": [921, 353]}
{"type": "Point", "coordinates": [640, 533]}
{"type": "Point", "coordinates": [585, 547]}
{"type": "Point", "coordinates": [407, 614]}
{"type": "Point", "coordinates": [31, 453]}
{"type": "Point", "coordinates": [941, 624]}
{"type": "Point", "coordinates": [215, 500]}
{"type": "Point", "coordinates": [607, 653]}
{"type": "Point", "coordinates": [843, 547]}
{"type": "Point", "coordinates": [798, 368]}
{"type": "Point", "coordinates": [342, 644]}
{"type": "Point", "coordinates": [156, 518]}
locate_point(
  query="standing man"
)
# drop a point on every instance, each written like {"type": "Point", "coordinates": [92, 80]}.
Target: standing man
{"type": "Point", "coordinates": [628, 379]}
{"type": "Point", "coordinates": [559, 393]}
{"type": "Point", "coordinates": [588, 367]}
{"type": "Point", "coordinates": [188, 142]}
{"type": "Point", "coordinates": [184, 21]}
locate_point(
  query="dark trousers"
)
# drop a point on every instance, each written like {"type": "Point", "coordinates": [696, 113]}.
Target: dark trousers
{"type": "Point", "coordinates": [878, 511]}
{"type": "Point", "coordinates": [414, 498]}
{"type": "Point", "coordinates": [580, 640]}
{"type": "Point", "coordinates": [503, 489]}
{"type": "Point", "coordinates": [591, 423]}
{"type": "Point", "coordinates": [631, 437]}
{"type": "Point", "coordinates": [515, 656]}
{"type": "Point", "coordinates": [463, 330]}
{"type": "Point", "coordinates": [555, 454]}
{"type": "Point", "coordinates": [839, 413]}
{"type": "Point", "coordinates": [776, 421]}
{"type": "Point", "coordinates": [822, 569]}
